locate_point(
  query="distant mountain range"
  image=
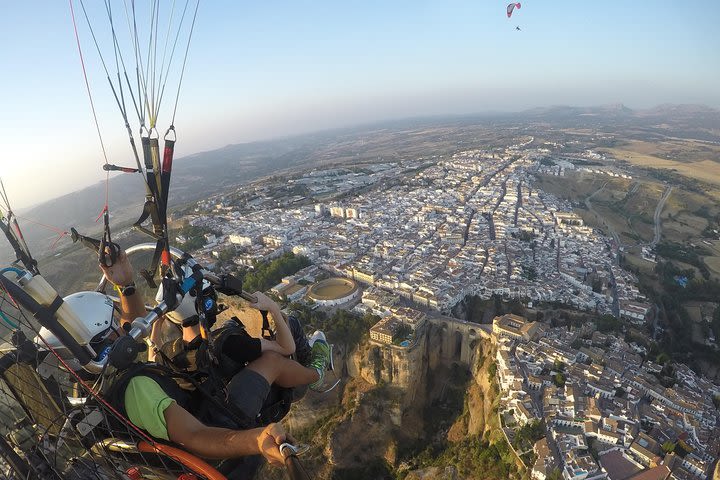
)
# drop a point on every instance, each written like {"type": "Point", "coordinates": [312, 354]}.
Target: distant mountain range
{"type": "Point", "coordinates": [692, 121]}
{"type": "Point", "coordinates": [200, 175]}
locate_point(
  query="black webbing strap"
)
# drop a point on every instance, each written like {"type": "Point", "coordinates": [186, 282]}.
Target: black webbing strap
{"type": "Point", "coordinates": [235, 413]}
{"type": "Point", "coordinates": [153, 207]}
{"type": "Point", "coordinates": [55, 304]}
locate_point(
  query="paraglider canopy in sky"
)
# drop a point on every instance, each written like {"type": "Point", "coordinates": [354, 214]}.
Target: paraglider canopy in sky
{"type": "Point", "coordinates": [512, 7]}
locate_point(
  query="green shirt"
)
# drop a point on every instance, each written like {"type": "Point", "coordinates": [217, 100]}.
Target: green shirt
{"type": "Point", "coordinates": [145, 403]}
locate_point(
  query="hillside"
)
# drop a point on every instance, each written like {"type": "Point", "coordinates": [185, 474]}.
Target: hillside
{"type": "Point", "coordinates": [409, 414]}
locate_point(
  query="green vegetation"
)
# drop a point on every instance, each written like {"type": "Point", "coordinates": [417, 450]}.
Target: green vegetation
{"type": "Point", "coordinates": [686, 254]}
{"type": "Point", "coordinates": [668, 447]}
{"type": "Point", "coordinates": [559, 379]}
{"type": "Point", "coordinates": [662, 358]}
{"type": "Point", "coordinates": [402, 333]}
{"type": "Point", "coordinates": [194, 237]}
{"type": "Point", "coordinates": [673, 178]}
{"type": "Point", "coordinates": [266, 275]}
{"type": "Point", "coordinates": [492, 371]}
{"type": "Point", "coordinates": [471, 456]}
{"type": "Point", "coordinates": [526, 236]}
{"type": "Point", "coordinates": [555, 475]}
{"type": "Point", "coordinates": [530, 273]}
{"type": "Point", "coordinates": [227, 255]}
{"type": "Point", "coordinates": [672, 298]}
{"type": "Point", "coordinates": [343, 326]}
{"type": "Point", "coordinates": [527, 435]}
{"type": "Point", "coordinates": [608, 323]}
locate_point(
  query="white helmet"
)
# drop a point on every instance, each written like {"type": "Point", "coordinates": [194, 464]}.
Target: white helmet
{"type": "Point", "coordinates": [95, 311]}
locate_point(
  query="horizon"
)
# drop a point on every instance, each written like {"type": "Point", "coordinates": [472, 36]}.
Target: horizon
{"type": "Point", "coordinates": [360, 126]}
{"type": "Point", "coordinates": [260, 72]}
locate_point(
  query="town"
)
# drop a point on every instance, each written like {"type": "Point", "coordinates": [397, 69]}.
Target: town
{"type": "Point", "coordinates": [604, 410]}
{"type": "Point", "coordinates": [469, 225]}
{"type": "Point", "coordinates": [408, 241]}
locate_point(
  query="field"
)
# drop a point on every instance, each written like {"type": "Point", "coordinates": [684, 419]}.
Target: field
{"type": "Point", "coordinates": [625, 208]}
{"type": "Point", "coordinates": [693, 159]}
{"type": "Point", "coordinates": [618, 205]}
{"type": "Point", "coordinates": [713, 264]}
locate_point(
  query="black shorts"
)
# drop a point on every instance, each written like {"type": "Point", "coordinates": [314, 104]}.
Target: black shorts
{"type": "Point", "coordinates": [247, 391]}
{"type": "Point", "coordinates": [246, 394]}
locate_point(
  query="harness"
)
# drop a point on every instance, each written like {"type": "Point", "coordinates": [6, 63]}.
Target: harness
{"type": "Point", "coordinates": [201, 400]}
{"type": "Point", "coordinates": [195, 359]}
{"type": "Point", "coordinates": [188, 375]}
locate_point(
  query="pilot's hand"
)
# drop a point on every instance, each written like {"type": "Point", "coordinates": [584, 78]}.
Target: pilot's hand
{"type": "Point", "coordinates": [121, 272]}
{"type": "Point", "coordinates": [263, 302]}
{"type": "Point", "coordinates": [270, 439]}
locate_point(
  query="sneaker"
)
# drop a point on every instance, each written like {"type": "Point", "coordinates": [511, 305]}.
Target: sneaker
{"type": "Point", "coordinates": [317, 335]}
{"type": "Point", "coordinates": [320, 357]}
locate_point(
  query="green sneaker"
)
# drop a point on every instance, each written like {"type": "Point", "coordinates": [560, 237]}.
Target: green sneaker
{"type": "Point", "coordinates": [320, 357]}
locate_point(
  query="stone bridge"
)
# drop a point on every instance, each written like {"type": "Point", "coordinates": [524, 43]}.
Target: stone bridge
{"type": "Point", "coordinates": [458, 339]}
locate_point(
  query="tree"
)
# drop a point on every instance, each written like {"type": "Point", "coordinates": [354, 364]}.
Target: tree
{"type": "Point", "coordinates": [268, 274]}
{"type": "Point", "coordinates": [403, 331]}
{"type": "Point", "coordinates": [531, 273]}
{"type": "Point", "coordinates": [559, 379]}
{"type": "Point", "coordinates": [662, 358]}
{"type": "Point", "coordinates": [607, 323]}
{"type": "Point", "coordinates": [492, 371]}
{"type": "Point", "coordinates": [668, 447]}
{"type": "Point", "coordinates": [528, 434]}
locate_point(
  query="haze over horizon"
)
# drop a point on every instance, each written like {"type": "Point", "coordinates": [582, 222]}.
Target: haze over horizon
{"type": "Point", "coordinates": [259, 71]}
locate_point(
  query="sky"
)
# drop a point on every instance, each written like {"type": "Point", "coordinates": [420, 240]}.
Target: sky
{"type": "Point", "coordinates": [271, 68]}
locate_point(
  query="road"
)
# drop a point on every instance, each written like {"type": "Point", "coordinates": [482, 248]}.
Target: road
{"type": "Point", "coordinates": [658, 211]}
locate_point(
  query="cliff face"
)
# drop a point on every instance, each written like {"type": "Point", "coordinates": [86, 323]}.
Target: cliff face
{"type": "Point", "coordinates": [398, 398]}
{"type": "Point", "coordinates": [479, 417]}
{"type": "Point", "coordinates": [388, 364]}
{"type": "Point", "coordinates": [394, 403]}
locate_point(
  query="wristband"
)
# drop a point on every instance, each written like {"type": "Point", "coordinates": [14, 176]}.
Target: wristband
{"type": "Point", "coordinates": [127, 290]}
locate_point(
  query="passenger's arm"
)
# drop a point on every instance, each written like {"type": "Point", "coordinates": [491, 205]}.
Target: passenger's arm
{"type": "Point", "coordinates": [121, 274]}
{"type": "Point", "coordinates": [221, 443]}
{"type": "Point", "coordinates": [284, 344]}
{"type": "Point", "coordinates": [155, 338]}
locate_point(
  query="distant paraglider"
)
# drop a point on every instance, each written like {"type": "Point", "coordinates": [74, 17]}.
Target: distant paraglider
{"type": "Point", "coordinates": [511, 7]}
{"type": "Point", "coordinates": [517, 28]}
